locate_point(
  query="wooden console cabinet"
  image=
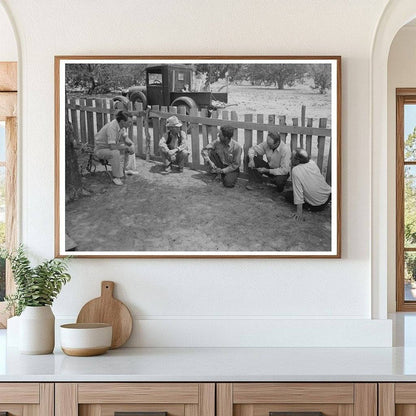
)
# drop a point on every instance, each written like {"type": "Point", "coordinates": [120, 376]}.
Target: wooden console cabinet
{"type": "Point", "coordinates": [208, 399]}
{"type": "Point", "coordinates": [27, 399]}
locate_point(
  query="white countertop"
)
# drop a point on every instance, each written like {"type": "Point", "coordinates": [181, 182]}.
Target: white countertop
{"type": "Point", "coordinates": [213, 364]}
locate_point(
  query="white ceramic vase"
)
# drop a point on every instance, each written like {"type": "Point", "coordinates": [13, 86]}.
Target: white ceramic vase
{"type": "Point", "coordinates": [37, 330]}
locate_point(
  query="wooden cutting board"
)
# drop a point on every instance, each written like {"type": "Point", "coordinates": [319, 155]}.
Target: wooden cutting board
{"type": "Point", "coordinates": [107, 309]}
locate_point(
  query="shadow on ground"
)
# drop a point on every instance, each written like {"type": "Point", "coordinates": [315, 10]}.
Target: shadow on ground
{"type": "Point", "coordinates": [189, 211]}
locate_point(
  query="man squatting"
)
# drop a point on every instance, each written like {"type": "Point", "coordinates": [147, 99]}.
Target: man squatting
{"type": "Point", "coordinates": [223, 156]}
{"type": "Point", "coordinates": [173, 145]}
{"type": "Point", "coordinates": [277, 166]}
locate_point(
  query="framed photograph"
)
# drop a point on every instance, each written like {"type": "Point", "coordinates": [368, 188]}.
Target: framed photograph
{"type": "Point", "coordinates": [194, 156]}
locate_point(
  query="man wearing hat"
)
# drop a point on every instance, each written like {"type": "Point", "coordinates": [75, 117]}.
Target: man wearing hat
{"type": "Point", "coordinates": [173, 145]}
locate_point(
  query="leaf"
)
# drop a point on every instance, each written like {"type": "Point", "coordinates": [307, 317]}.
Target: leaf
{"type": "Point", "coordinates": [35, 286]}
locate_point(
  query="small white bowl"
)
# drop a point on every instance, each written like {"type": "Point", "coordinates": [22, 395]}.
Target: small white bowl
{"type": "Point", "coordinates": [84, 340]}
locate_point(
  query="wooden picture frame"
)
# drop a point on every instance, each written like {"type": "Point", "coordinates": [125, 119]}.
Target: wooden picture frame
{"type": "Point", "coordinates": [184, 214]}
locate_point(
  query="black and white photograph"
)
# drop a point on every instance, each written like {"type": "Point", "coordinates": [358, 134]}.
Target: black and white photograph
{"type": "Point", "coordinates": [198, 157]}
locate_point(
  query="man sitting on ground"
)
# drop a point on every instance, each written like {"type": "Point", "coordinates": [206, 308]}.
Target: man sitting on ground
{"type": "Point", "coordinates": [173, 145]}
{"type": "Point", "coordinates": [109, 143]}
{"type": "Point", "coordinates": [277, 166]}
{"type": "Point", "coordinates": [309, 186]}
{"type": "Point", "coordinates": [223, 156]}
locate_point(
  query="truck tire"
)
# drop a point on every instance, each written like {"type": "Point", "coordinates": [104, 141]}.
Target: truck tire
{"type": "Point", "coordinates": [138, 96]}
{"type": "Point", "coordinates": [187, 102]}
{"type": "Point", "coordinates": [120, 102]}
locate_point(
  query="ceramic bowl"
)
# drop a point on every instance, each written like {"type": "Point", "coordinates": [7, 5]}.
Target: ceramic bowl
{"type": "Point", "coordinates": [83, 340]}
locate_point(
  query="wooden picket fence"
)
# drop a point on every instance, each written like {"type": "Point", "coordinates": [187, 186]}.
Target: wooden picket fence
{"type": "Point", "coordinates": [89, 115]}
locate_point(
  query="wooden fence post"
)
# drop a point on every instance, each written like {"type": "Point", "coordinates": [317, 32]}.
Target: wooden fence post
{"type": "Point", "coordinates": [156, 131]}
{"type": "Point", "coordinates": [302, 123]}
{"type": "Point", "coordinates": [248, 139]}
{"type": "Point", "coordinates": [321, 144]}
{"type": "Point", "coordinates": [260, 133]}
{"type": "Point", "coordinates": [90, 122]}
{"type": "Point", "coordinates": [130, 129]}
{"type": "Point", "coordinates": [204, 127]}
{"type": "Point", "coordinates": [282, 122]}
{"type": "Point", "coordinates": [82, 121]}
{"type": "Point", "coordinates": [139, 121]}
{"type": "Point", "coordinates": [329, 165]}
{"type": "Point", "coordinates": [234, 117]}
{"type": "Point", "coordinates": [182, 110]}
{"type": "Point", "coordinates": [213, 130]}
{"type": "Point", "coordinates": [309, 138]}
{"type": "Point", "coordinates": [105, 111]}
{"type": "Point", "coordinates": [112, 117]}
{"type": "Point", "coordinates": [99, 114]}
{"type": "Point", "coordinates": [163, 109]}
{"type": "Point", "coordinates": [195, 140]}
{"type": "Point", "coordinates": [74, 119]}
{"type": "Point", "coordinates": [294, 136]}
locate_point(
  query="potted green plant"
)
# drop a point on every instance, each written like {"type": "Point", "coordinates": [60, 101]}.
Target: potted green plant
{"type": "Point", "coordinates": [36, 289]}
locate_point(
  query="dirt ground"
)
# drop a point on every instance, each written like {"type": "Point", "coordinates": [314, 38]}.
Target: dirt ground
{"type": "Point", "coordinates": [189, 212]}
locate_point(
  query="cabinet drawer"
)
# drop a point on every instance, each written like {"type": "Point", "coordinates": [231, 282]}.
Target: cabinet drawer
{"type": "Point", "coordinates": [296, 399]}
{"type": "Point", "coordinates": [397, 399]}
{"type": "Point", "coordinates": [21, 399]}
{"type": "Point", "coordinates": [106, 399]}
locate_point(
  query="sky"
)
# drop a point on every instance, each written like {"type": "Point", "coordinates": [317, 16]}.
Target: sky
{"type": "Point", "coordinates": [409, 119]}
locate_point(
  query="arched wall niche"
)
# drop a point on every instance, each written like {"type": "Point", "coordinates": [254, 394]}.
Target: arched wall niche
{"type": "Point", "coordinates": [396, 14]}
{"type": "Point", "coordinates": [9, 50]}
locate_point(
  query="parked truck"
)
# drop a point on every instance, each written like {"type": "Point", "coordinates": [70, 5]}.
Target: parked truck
{"type": "Point", "coordinates": [172, 85]}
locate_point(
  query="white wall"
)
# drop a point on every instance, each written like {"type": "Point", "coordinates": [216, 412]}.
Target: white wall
{"type": "Point", "coordinates": [179, 302]}
{"type": "Point", "coordinates": [401, 74]}
{"type": "Point", "coordinates": [8, 46]}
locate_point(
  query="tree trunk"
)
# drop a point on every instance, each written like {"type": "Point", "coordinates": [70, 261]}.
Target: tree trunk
{"type": "Point", "coordinates": [73, 182]}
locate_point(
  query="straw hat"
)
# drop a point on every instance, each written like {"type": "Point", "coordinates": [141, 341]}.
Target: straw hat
{"type": "Point", "coordinates": [173, 121]}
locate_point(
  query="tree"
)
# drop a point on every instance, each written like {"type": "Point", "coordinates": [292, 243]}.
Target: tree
{"type": "Point", "coordinates": [410, 205]}
{"type": "Point", "coordinates": [321, 76]}
{"type": "Point", "coordinates": [73, 180]}
{"type": "Point", "coordinates": [279, 75]}
{"type": "Point", "coordinates": [410, 190]}
{"type": "Point", "coordinates": [410, 146]}
{"type": "Point", "coordinates": [103, 78]}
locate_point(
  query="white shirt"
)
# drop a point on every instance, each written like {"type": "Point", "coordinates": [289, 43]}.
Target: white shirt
{"type": "Point", "coordinates": [109, 134]}
{"type": "Point", "coordinates": [309, 185]}
{"type": "Point", "coordinates": [279, 158]}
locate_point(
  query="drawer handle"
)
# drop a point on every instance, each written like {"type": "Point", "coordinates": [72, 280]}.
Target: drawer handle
{"type": "Point", "coordinates": [296, 414]}
{"type": "Point", "coordinates": [139, 414]}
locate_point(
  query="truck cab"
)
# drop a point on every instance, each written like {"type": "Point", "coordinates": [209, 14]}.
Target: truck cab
{"type": "Point", "coordinates": [162, 80]}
